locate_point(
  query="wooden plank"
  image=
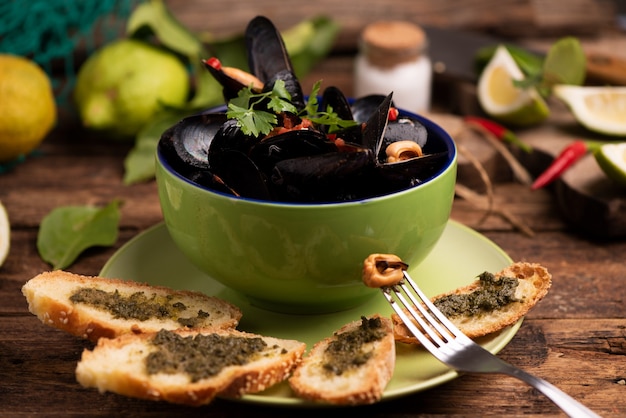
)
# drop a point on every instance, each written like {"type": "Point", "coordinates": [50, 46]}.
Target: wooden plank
{"type": "Point", "coordinates": [507, 17]}
{"type": "Point", "coordinates": [560, 351]}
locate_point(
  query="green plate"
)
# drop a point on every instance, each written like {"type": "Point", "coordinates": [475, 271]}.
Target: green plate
{"type": "Point", "coordinates": [460, 255]}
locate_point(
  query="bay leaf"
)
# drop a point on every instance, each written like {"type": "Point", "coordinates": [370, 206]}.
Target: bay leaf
{"type": "Point", "coordinates": [67, 231]}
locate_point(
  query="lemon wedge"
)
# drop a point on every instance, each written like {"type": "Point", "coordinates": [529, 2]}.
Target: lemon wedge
{"type": "Point", "coordinates": [502, 100]}
{"type": "Point", "coordinates": [600, 109]}
{"type": "Point", "coordinates": [5, 234]}
{"type": "Point", "coordinates": [612, 160]}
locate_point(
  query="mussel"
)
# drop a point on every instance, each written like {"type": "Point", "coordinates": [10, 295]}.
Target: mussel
{"type": "Point", "coordinates": [302, 160]}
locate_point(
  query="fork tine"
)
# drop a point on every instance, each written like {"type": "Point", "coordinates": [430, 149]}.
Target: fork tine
{"type": "Point", "coordinates": [425, 312]}
{"type": "Point", "coordinates": [401, 311]}
{"type": "Point", "coordinates": [451, 328]}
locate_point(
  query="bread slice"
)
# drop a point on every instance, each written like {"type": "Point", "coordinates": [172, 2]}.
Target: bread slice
{"type": "Point", "coordinates": [534, 281]}
{"type": "Point", "coordinates": [364, 383]}
{"type": "Point", "coordinates": [49, 296]}
{"type": "Point", "coordinates": [120, 365]}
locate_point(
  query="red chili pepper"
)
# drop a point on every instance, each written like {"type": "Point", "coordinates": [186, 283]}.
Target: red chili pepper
{"type": "Point", "coordinates": [570, 154]}
{"type": "Point", "coordinates": [213, 62]}
{"type": "Point", "coordinates": [498, 131]}
{"type": "Point", "coordinates": [393, 114]}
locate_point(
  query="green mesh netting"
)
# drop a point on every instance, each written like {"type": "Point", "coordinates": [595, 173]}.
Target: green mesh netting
{"type": "Point", "coordinates": [54, 33]}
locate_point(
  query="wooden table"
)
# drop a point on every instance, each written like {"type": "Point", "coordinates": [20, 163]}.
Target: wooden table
{"type": "Point", "coordinates": [575, 338]}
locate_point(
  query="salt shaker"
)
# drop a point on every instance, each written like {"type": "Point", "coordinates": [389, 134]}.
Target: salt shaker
{"type": "Point", "coordinates": [393, 58]}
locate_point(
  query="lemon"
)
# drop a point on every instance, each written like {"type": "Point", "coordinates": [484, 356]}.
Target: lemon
{"type": "Point", "coordinates": [502, 100]}
{"type": "Point", "coordinates": [122, 85]}
{"type": "Point", "coordinates": [600, 109]}
{"type": "Point", "coordinates": [5, 234]}
{"type": "Point", "coordinates": [612, 160]}
{"type": "Point", "coordinates": [27, 108]}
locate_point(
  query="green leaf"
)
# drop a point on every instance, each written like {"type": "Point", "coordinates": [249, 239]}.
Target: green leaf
{"type": "Point", "coordinates": [309, 41]}
{"type": "Point", "coordinates": [154, 17]}
{"type": "Point", "coordinates": [69, 230]}
{"type": "Point", "coordinates": [565, 63]}
{"type": "Point", "coordinates": [312, 104]}
{"type": "Point", "coordinates": [139, 163]}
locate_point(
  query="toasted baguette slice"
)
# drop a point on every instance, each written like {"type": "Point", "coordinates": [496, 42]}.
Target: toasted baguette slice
{"type": "Point", "coordinates": [119, 365]}
{"type": "Point", "coordinates": [362, 384]}
{"type": "Point", "coordinates": [49, 293]}
{"type": "Point", "coordinates": [533, 284]}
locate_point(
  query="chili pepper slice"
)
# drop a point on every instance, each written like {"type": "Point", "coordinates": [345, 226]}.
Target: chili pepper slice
{"type": "Point", "coordinates": [498, 131]}
{"type": "Point", "coordinates": [568, 156]}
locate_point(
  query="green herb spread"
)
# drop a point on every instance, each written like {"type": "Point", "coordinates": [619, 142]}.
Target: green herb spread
{"type": "Point", "coordinates": [492, 294]}
{"type": "Point", "coordinates": [137, 306]}
{"type": "Point", "coordinates": [200, 356]}
{"type": "Point", "coordinates": [346, 351]}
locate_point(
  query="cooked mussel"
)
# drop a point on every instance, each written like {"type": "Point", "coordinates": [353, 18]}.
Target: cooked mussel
{"type": "Point", "coordinates": [301, 160]}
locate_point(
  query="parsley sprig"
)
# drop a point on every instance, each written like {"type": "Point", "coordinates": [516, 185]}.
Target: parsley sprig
{"type": "Point", "coordinates": [254, 121]}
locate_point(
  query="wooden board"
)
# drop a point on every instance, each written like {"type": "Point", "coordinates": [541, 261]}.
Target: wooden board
{"type": "Point", "coordinates": [587, 199]}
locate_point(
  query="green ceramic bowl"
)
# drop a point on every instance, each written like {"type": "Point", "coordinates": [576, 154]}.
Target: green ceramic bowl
{"type": "Point", "coordinates": [304, 258]}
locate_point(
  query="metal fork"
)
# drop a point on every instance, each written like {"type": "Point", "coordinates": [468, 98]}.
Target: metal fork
{"type": "Point", "coordinates": [453, 348]}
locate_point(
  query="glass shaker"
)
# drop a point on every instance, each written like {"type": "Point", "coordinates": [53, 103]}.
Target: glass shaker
{"type": "Point", "coordinates": [393, 58]}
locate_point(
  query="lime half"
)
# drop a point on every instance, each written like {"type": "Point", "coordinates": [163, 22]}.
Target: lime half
{"type": "Point", "coordinates": [5, 234]}
{"type": "Point", "coordinates": [612, 160]}
{"type": "Point", "coordinates": [600, 109]}
{"type": "Point", "coordinates": [502, 100]}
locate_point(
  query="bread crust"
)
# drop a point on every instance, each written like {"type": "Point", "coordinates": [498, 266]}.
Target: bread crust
{"type": "Point", "coordinates": [117, 365]}
{"type": "Point", "coordinates": [48, 295]}
{"type": "Point", "coordinates": [534, 283]}
{"type": "Point", "coordinates": [365, 385]}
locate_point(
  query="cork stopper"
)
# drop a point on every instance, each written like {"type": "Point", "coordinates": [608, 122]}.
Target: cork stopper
{"type": "Point", "coordinates": [388, 43]}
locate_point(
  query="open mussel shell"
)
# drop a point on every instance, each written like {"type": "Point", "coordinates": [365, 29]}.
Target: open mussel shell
{"type": "Point", "coordinates": [186, 144]}
{"type": "Point", "coordinates": [376, 125]}
{"type": "Point", "coordinates": [411, 172]}
{"type": "Point", "coordinates": [268, 58]}
{"type": "Point", "coordinates": [363, 107]}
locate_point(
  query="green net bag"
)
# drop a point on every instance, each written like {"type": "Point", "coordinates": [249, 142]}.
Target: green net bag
{"type": "Point", "coordinates": [58, 34]}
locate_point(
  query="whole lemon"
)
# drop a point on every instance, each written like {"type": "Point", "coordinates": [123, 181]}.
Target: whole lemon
{"type": "Point", "coordinates": [27, 107]}
{"type": "Point", "coordinates": [124, 83]}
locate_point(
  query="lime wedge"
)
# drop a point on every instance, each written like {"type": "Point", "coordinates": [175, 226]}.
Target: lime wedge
{"type": "Point", "coordinates": [5, 234]}
{"type": "Point", "coordinates": [600, 109]}
{"type": "Point", "coordinates": [502, 100]}
{"type": "Point", "coordinates": [612, 160]}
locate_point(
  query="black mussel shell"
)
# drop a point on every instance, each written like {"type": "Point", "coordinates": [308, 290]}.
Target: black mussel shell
{"type": "Point", "coordinates": [229, 137]}
{"type": "Point", "coordinates": [364, 107]}
{"type": "Point", "coordinates": [291, 144]}
{"type": "Point", "coordinates": [376, 125]}
{"type": "Point", "coordinates": [330, 177]}
{"type": "Point", "coordinates": [403, 129]}
{"type": "Point", "coordinates": [413, 171]}
{"type": "Point", "coordinates": [240, 175]}
{"type": "Point", "coordinates": [268, 58]}
{"type": "Point", "coordinates": [334, 98]}
{"type": "Point", "coordinates": [186, 145]}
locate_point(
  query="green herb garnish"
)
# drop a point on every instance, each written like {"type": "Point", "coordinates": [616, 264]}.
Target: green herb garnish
{"type": "Point", "coordinates": [326, 117]}
{"type": "Point", "coordinates": [253, 121]}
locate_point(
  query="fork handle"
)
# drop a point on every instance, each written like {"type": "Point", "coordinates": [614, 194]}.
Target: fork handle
{"type": "Point", "coordinates": [569, 405]}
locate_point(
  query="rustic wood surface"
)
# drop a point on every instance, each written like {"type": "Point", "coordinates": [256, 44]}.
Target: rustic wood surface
{"type": "Point", "coordinates": [575, 338]}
